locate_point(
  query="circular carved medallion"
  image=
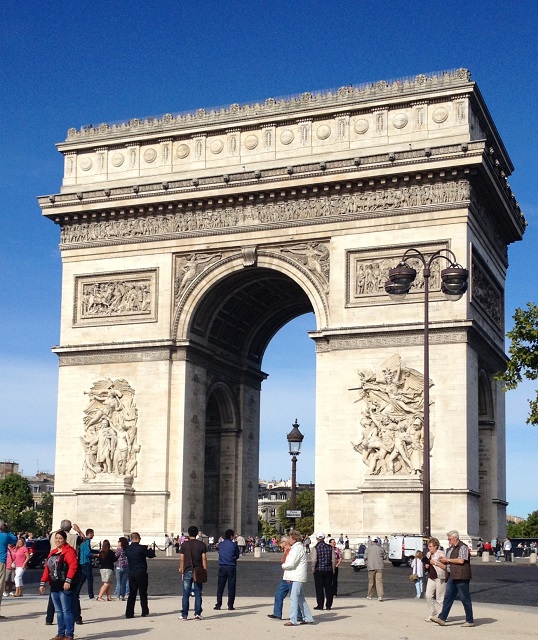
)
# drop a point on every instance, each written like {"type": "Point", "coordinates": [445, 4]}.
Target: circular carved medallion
{"type": "Point", "coordinates": [216, 146]}
{"type": "Point", "coordinates": [150, 155]}
{"type": "Point", "coordinates": [251, 142]}
{"type": "Point", "coordinates": [117, 159]}
{"type": "Point", "coordinates": [361, 126]}
{"type": "Point", "coordinates": [323, 131]}
{"type": "Point", "coordinates": [440, 115]}
{"type": "Point", "coordinates": [183, 151]}
{"type": "Point", "coordinates": [400, 120]}
{"type": "Point", "coordinates": [286, 137]}
{"type": "Point", "coordinates": [86, 164]}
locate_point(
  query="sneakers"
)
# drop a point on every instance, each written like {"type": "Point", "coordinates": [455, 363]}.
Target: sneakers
{"type": "Point", "coordinates": [468, 624]}
{"type": "Point", "coordinates": [438, 621]}
{"type": "Point", "coordinates": [184, 618]}
{"type": "Point", "coordinates": [198, 617]}
{"type": "Point", "coordinates": [5, 594]}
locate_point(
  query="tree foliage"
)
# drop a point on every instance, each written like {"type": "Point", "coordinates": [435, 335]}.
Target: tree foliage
{"type": "Point", "coordinates": [526, 529]}
{"type": "Point", "coordinates": [44, 512]}
{"type": "Point", "coordinates": [15, 500]}
{"type": "Point", "coordinates": [523, 352]}
{"type": "Point", "coordinates": [305, 503]}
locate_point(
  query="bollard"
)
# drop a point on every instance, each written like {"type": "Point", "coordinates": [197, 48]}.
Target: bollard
{"type": "Point", "coordinates": [485, 556]}
{"type": "Point", "coordinates": [347, 554]}
{"type": "Point", "coordinates": [257, 552]}
{"type": "Point", "coordinates": [532, 558]}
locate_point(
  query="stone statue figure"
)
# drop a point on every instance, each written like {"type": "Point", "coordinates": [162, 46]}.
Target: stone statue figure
{"type": "Point", "coordinates": [188, 268]}
{"type": "Point", "coordinates": [392, 421]}
{"type": "Point", "coordinates": [110, 430]}
{"type": "Point", "coordinates": [315, 257]}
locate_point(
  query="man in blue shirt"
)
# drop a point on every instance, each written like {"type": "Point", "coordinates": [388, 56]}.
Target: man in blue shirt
{"type": "Point", "coordinates": [228, 554]}
{"type": "Point", "coordinates": [85, 562]}
{"type": "Point", "coordinates": [6, 537]}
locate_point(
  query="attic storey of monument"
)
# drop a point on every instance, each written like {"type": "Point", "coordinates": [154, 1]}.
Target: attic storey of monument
{"type": "Point", "coordinates": [206, 232]}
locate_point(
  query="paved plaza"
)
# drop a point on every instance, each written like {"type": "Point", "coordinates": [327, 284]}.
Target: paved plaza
{"type": "Point", "coordinates": [399, 617]}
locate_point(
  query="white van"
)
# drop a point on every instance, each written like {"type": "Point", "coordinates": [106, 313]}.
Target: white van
{"type": "Point", "coordinates": [403, 546]}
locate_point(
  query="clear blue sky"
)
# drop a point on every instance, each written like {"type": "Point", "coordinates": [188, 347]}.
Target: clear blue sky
{"type": "Point", "coordinates": [66, 64]}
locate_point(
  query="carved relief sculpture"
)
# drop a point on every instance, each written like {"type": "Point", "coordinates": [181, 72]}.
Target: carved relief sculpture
{"type": "Point", "coordinates": [110, 430]}
{"type": "Point", "coordinates": [323, 206]}
{"type": "Point", "coordinates": [392, 419]}
{"type": "Point", "coordinates": [315, 257]}
{"type": "Point", "coordinates": [189, 267]}
{"type": "Point", "coordinates": [123, 297]}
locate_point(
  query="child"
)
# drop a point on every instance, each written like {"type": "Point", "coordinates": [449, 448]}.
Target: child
{"type": "Point", "coordinates": [417, 567]}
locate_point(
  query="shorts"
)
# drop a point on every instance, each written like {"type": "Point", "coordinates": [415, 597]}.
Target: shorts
{"type": "Point", "coordinates": [106, 575]}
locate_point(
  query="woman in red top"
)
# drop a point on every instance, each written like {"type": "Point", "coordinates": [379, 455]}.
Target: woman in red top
{"type": "Point", "coordinates": [60, 569]}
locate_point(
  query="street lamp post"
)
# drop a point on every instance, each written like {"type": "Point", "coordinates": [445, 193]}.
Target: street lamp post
{"type": "Point", "coordinates": [454, 280]}
{"type": "Point", "coordinates": [294, 438]}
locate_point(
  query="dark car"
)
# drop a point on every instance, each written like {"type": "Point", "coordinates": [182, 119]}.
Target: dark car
{"type": "Point", "coordinates": [39, 550]}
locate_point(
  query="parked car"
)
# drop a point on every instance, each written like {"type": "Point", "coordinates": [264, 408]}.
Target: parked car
{"type": "Point", "coordinates": [39, 550]}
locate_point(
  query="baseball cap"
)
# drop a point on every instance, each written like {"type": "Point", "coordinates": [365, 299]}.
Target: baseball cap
{"type": "Point", "coordinates": [320, 535]}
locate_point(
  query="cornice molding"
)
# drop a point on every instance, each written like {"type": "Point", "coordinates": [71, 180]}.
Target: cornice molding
{"type": "Point", "coordinates": [272, 108]}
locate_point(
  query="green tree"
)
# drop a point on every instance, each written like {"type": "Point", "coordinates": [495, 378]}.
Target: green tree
{"type": "Point", "coordinates": [305, 503]}
{"type": "Point", "coordinates": [44, 513]}
{"type": "Point", "coordinates": [15, 500]}
{"type": "Point", "coordinates": [523, 354]}
{"type": "Point", "coordinates": [526, 529]}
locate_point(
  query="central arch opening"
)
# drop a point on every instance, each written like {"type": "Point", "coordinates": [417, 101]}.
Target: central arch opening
{"type": "Point", "coordinates": [234, 323]}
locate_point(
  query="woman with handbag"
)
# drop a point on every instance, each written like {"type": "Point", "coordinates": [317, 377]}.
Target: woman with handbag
{"type": "Point", "coordinates": [60, 569]}
{"type": "Point", "coordinates": [417, 573]}
{"type": "Point", "coordinates": [436, 584]}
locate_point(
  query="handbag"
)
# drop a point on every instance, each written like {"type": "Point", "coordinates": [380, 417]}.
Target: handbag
{"type": "Point", "coordinates": [199, 574]}
{"type": "Point", "coordinates": [413, 577]}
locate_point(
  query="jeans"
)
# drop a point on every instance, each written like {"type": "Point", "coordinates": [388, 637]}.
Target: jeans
{"type": "Point", "coordinates": [298, 603]}
{"type": "Point", "coordinates": [188, 586]}
{"type": "Point", "coordinates": [453, 589]}
{"type": "Point", "coordinates": [226, 575]}
{"type": "Point", "coordinates": [86, 575]}
{"type": "Point", "coordinates": [418, 587]}
{"type": "Point", "coordinates": [282, 591]}
{"type": "Point", "coordinates": [63, 605]}
{"type": "Point", "coordinates": [122, 582]}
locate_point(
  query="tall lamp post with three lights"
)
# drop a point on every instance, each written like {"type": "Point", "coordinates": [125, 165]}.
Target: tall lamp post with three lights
{"type": "Point", "coordinates": [454, 281]}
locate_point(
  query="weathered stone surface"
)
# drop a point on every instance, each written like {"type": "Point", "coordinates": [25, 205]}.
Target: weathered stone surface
{"type": "Point", "coordinates": [188, 241]}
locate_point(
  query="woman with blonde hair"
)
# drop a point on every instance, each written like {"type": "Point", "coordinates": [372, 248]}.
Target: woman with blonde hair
{"type": "Point", "coordinates": [436, 585]}
{"type": "Point", "coordinates": [295, 571]}
{"type": "Point", "coordinates": [417, 569]}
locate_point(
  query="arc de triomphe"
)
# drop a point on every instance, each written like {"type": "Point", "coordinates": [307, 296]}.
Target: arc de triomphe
{"type": "Point", "coordinates": [188, 241]}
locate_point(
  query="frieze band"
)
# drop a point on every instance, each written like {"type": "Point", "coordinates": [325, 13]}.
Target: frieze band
{"type": "Point", "coordinates": [320, 206]}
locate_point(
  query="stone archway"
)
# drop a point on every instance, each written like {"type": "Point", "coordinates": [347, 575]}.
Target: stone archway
{"type": "Point", "coordinates": [187, 241]}
{"type": "Point", "coordinates": [238, 310]}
